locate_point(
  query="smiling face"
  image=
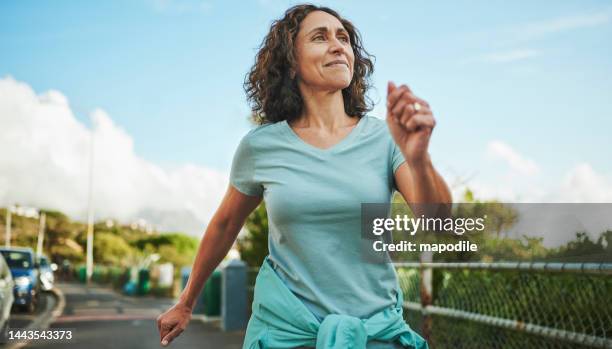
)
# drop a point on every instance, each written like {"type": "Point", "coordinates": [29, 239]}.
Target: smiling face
{"type": "Point", "coordinates": [324, 54]}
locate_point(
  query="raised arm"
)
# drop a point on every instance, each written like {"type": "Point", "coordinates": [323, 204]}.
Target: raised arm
{"type": "Point", "coordinates": [411, 123]}
{"type": "Point", "coordinates": [217, 241]}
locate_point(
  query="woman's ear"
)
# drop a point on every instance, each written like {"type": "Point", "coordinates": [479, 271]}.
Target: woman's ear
{"type": "Point", "coordinates": [292, 74]}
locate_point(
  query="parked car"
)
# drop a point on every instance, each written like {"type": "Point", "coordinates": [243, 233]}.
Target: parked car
{"type": "Point", "coordinates": [6, 295]}
{"type": "Point", "coordinates": [46, 273]}
{"type": "Point", "coordinates": [24, 269]}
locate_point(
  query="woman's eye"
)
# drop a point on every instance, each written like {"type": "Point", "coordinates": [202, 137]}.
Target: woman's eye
{"type": "Point", "coordinates": [318, 37]}
{"type": "Point", "coordinates": [344, 38]}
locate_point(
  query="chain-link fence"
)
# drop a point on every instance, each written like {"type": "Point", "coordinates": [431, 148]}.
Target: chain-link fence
{"type": "Point", "coordinates": [506, 305]}
{"type": "Point", "coordinates": [509, 305]}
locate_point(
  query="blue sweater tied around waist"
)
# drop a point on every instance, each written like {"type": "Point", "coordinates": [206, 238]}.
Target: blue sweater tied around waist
{"type": "Point", "coordinates": [280, 320]}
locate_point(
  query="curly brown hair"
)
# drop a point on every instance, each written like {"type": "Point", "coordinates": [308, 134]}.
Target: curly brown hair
{"type": "Point", "coordinates": [274, 96]}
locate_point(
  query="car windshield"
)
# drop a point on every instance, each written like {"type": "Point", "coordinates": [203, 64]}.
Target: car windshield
{"type": "Point", "coordinates": [16, 259]}
{"type": "Point", "coordinates": [43, 262]}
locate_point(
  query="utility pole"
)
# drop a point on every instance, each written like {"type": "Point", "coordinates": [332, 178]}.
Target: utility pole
{"type": "Point", "coordinates": [41, 235]}
{"type": "Point", "coordinates": [90, 215]}
{"type": "Point", "coordinates": [7, 232]}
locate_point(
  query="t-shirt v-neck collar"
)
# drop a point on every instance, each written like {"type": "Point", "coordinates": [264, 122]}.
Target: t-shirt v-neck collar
{"type": "Point", "coordinates": [339, 145]}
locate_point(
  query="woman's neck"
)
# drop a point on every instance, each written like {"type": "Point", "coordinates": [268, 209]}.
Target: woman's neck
{"type": "Point", "coordinates": [323, 110]}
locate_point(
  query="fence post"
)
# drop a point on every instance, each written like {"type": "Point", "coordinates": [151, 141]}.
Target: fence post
{"type": "Point", "coordinates": [426, 293]}
{"type": "Point", "coordinates": [234, 295]}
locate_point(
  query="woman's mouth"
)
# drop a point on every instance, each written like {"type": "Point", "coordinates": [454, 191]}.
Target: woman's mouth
{"type": "Point", "coordinates": [336, 63]}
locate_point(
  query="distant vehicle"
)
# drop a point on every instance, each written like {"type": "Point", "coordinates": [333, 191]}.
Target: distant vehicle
{"type": "Point", "coordinates": [6, 294]}
{"type": "Point", "coordinates": [24, 269]}
{"type": "Point", "coordinates": [46, 273]}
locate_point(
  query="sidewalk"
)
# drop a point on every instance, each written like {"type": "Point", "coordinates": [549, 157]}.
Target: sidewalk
{"type": "Point", "coordinates": [103, 318]}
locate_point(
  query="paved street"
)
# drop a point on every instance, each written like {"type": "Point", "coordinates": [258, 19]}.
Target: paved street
{"type": "Point", "coordinates": [21, 319]}
{"type": "Point", "coordinates": [102, 318]}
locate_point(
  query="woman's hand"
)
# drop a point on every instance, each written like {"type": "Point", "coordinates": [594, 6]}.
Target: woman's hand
{"type": "Point", "coordinates": [173, 322]}
{"type": "Point", "coordinates": [410, 128]}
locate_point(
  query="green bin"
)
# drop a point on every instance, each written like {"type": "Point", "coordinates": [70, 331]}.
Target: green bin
{"type": "Point", "coordinates": [198, 307]}
{"type": "Point", "coordinates": [144, 282]}
{"type": "Point", "coordinates": [211, 295]}
{"type": "Point", "coordinates": [82, 274]}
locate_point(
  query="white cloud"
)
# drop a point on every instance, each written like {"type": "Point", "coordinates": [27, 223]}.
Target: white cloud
{"type": "Point", "coordinates": [580, 184]}
{"type": "Point", "coordinates": [519, 163]}
{"type": "Point", "coordinates": [505, 40]}
{"type": "Point", "coordinates": [519, 182]}
{"type": "Point", "coordinates": [509, 56]}
{"type": "Point", "coordinates": [583, 184]}
{"type": "Point", "coordinates": [554, 207]}
{"type": "Point", "coordinates": [45, 163]}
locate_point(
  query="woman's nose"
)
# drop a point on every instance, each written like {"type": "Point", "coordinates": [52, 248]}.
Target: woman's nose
{"type": "Point", "coordinates": [336, 46]}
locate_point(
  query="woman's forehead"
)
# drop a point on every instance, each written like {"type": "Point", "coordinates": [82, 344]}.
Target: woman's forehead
{"type": "Point", "coordinates": [320, 20]}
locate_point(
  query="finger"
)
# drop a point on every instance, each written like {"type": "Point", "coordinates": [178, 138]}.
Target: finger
{"type": "Point", "coordinates": [400, 103]}
{"type": "Point", "coordinates": [159, 326]}
{"type": "Point", "coordinates": [421, 101]}
{"type": "Point", "coordinates": [416, 99]}
{"type": "Point", "coordinates": [393, 118]}
{"type": "Point", "coordinates": [393, 97]}
{"type": "Point", "coordinates": [400, 108]}
{"type": "Point", "coordinates": [170, 336]}
{"type": "Point", "coordinates": [165, 329]}
{"type": "Point", "coordinates": [420, 121]}
{"type": "Point", "coordinates": [412, 98]}
{"type": "Point", "coordinates": [390, 87]}
{"type": "Point", "coordinates": [408, 110]}
{"type": "Point", "coordinates": [423, 109]}
{"type": "Point", "coordinates": [407, 114]}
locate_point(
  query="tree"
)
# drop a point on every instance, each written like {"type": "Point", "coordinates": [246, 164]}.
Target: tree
{"type": "Point", "coordinates": [583, 249]}
{"type": "Point", "coordinates": [253, 246]}
{"type": "Point", "coordinates": [111, 249]}
{"type": "Point", "coordinates": [175, 248]}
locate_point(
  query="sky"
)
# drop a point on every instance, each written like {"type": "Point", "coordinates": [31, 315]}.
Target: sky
{"type": "Point", "coordinates": [521, 92]}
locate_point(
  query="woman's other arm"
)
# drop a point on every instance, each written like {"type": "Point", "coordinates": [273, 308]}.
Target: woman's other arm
{"type": "Point", "coordinates": [217, 241]}
{"type": "Point", "coordinates": [411, 123]}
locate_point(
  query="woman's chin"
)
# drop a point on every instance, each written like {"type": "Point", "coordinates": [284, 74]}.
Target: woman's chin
{"type": "Point", "coordinates": [339, 84]}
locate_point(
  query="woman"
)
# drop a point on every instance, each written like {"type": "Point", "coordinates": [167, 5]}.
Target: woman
{"type": "Point", "coordinates": [316, 157]}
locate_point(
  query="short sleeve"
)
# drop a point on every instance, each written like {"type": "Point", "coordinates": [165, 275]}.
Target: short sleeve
{"type": "Point", "coordinates": [242, 173]}
{"type": "Point", "coordinates": [397, 158]}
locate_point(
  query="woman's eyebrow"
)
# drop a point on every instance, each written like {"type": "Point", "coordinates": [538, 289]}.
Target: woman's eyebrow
{"type": "Point", "coordinates": [324, 29]}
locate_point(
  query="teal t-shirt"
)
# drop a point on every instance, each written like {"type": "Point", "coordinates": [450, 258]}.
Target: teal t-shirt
{"type": "Point", "coordinates": [313, 198]}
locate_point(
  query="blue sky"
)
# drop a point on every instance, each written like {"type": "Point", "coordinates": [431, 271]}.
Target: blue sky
{"type": "Point", "coordinates": [519, 86]}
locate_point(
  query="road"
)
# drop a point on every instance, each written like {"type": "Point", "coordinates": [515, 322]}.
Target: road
{"type": "Point", "coordinates": [21, 319]}
{"type": "Point", "coordinates": [102, 318]}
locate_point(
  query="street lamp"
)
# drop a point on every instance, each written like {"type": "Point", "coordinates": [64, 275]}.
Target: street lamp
{"type": "Point", "coordinates": [90, 215]}
{"type": "Point", "coordinates": [41, 234]}
{"type": "Point", "coordinates": [7, 232]}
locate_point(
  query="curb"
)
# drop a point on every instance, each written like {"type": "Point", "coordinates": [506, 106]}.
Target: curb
{"type": "Point", "coordinates": [206, 319]}
{"type": "Point", "coordinates": [45, 319]}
